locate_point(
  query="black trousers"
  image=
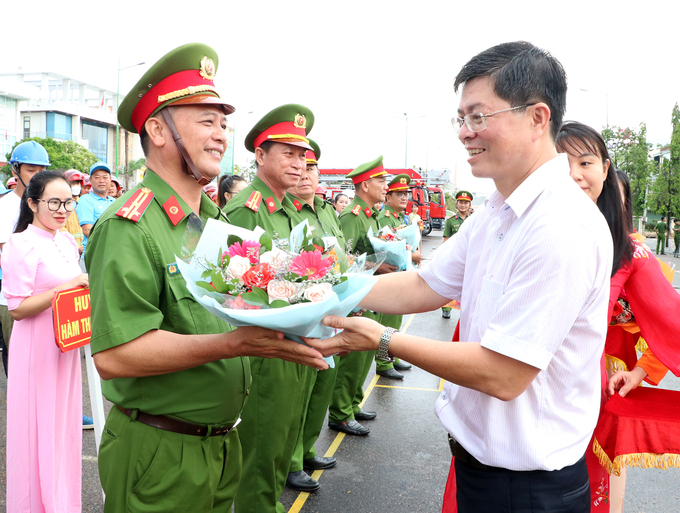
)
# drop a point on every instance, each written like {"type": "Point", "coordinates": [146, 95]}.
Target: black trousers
{"type": "Point", "coordinates": [500, 490]}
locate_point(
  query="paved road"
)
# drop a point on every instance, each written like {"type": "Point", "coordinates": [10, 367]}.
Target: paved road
{"type": "Point", "coordinates": [402, 465]}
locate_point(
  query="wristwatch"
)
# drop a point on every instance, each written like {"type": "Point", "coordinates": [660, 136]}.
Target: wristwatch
{"type": "Point", "coordinates": [384, 348]}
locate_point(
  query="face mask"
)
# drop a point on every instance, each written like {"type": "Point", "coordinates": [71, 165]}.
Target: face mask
{"type": "Point", "coordinates": [75, 190]}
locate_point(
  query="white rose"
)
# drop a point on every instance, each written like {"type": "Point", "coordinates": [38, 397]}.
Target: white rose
{"type": "Point", "coordinates": [276, 258]}
{"type": "Point", "coordinates": [280, 289]}
{"type": "Point", "coordinates": [318, 292]}
{"type": "Point", "coordinates": [238, 265]}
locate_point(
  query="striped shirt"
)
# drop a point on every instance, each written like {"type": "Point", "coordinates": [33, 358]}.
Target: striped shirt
{"type": "Point", "coordinates": [532, 274]}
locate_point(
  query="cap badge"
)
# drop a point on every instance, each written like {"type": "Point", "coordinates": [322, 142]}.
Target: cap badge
{"type": "Point", "coordinates": [402, 180]}
{"type": "Point", "coordinates": [300, 121]}
{"type": "Point", "coordinates": [207, 70]}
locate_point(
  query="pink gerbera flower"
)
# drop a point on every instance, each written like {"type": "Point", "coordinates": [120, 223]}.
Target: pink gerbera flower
{"type": "Point", "coordinates": [310, 264]}
{"type": "Point", "coordinates": [248, 249]}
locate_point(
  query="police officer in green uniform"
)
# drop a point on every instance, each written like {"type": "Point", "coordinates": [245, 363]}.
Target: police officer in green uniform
{"type": "Point", "coordinates": [393, 215]}
{"type": "Point", "coordinates": [324, 222]}
{"type": "Point", "coordinates": [173, 371]}
{"type": "Point", "coordinates": [272, 419]}
{"type": "Point", "coordinates": [453, 224]}
{"type": "Point", "coordinates": [676, 236]}
{"type": "Point", "coordinates": [661, 228]}
{"type": "Point", "coordinates": [371, 185]}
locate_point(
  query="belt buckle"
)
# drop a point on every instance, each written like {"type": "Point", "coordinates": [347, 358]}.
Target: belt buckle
{"type": "Point", "coordinates": [218, 432]}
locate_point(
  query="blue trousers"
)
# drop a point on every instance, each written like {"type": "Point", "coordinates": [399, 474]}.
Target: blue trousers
{"type": "Point", "coordinates": [500, 490]}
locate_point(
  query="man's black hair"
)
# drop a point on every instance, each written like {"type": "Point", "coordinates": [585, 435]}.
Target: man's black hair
{"type": "Point", "coordinates": [522, 74]}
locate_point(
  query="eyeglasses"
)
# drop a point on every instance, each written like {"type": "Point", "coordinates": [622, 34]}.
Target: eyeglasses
{"type": "Point", "coordinates": [476, 121]}
{"type": "Point", "coordinates": [54, 204]}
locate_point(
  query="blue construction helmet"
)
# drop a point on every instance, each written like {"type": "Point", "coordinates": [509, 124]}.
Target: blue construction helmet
{"type": "Point", "coordinates": [99, 166]}
{"type": "Point", "coordinates": [29, 152]}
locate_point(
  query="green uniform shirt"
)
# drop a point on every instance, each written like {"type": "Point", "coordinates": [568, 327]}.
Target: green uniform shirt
{"type": "Point", "coordinates": [389, 217]}
{"type": "Point", "coordinates": [355, 224]}
{"type": "Point", "coordinates": [452, 225]}
{"type": "Point", "coordinates": [270, 213]}
{"type": "Point", "coordinates": [135, 288]}
{"type": "Point", "coordinates": [661, 228]}
{"type": "Point", "coordinates": [323, 220]}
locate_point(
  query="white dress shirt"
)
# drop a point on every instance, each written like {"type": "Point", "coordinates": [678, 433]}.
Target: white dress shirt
{"type": "Point", "coordinates": [532, 274]}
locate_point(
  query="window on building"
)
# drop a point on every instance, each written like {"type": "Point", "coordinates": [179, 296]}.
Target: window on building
{"type": "Point", "coordinates": [97, 136]}
{"type": "Point", "coordinates": [8, 125]}
{"type": "Point", "coordinates": [59, 126]}
{"type": "Point", "coordinates": [27, 127]}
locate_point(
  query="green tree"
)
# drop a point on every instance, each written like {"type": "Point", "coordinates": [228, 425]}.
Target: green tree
{"type": "Point", "coordinates": [247, 172]}
{"type": "Point", "coordinates": [63, 155]}
{"type": "Point", "coordinates": [629, 151]}
{"type": "Point", "coordinates": [664, 195]}
{"type": "Point", "coordinates": [450, 201]}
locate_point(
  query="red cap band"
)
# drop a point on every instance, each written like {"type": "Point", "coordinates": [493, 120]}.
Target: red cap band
{"type": "Point", "coordinates": [178, 85]}
{"type": "Point", "coordinates": [286, 131]}
{"type": "Point", "coordinates": [376, 171]}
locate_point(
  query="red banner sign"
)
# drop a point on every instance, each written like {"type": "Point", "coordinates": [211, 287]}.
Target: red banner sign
{"type": "Point", "coordinates": [71, 313]}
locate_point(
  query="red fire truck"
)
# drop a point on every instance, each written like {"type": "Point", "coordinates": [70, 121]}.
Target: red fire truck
{"type": "Point", "coordinates": [437, 207]}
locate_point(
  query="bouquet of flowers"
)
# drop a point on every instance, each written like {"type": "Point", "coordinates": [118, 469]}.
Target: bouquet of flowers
{"type": "Point", "coordinates": [242, 277]}
{"type": "Point", "coordinates": [621, 313]}
{"type": "Point", "coordinates": [397, 244]}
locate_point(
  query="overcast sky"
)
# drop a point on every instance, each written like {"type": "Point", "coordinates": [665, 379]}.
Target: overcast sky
{"type": "Point", "coordinates": [360, 66]}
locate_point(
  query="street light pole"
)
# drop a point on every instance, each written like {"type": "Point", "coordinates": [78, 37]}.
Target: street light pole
{"type": "Point", "coordinates": [117, 104]}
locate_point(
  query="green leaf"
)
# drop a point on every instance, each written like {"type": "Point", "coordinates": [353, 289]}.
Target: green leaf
{"type": "Point", "coordinates": [252, 298]}
{"type": "Point", "coordinates": [266, 241]}
{"type": "Point", "coordinates": [207, 273]}
{"type": "Point", "coordinates": [309, 248]}
{"type": "Point", "coordinates": [318, 241]}
{"type": "Point", "coordinates": [279, 303]}
{"type": "Point", "coordinates": [342, 259]}
{"type": "Point", "coordinates": [262, 294]}
{"type": "Point", "coordinates": [233, 239]}
{"type": "Point", "coordinates": [205, 285]}
{"type": "Point", "coordinates": [219, 283]}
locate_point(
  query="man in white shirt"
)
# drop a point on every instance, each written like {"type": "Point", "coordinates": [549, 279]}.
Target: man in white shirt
{"type": "Point", "coordinates": [28, 159]}
{"type": "Point", "coordinates": [523, 387]}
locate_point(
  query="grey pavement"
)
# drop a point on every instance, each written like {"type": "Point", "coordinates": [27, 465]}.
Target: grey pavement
{"type": "Point", "coordinates": [402, 465]}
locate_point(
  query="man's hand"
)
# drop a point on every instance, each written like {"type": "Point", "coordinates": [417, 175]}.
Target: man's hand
{"type": "Point", "coordinates": [359, 334]}
{"type": "Point", "coordinates": [625, 381]}
{"type": "Point", "coordinates": [386, 268]}
{"type": "Point", "coordinates": [416, 257]}
{"type": "Point", "coordinates": [256, 341]}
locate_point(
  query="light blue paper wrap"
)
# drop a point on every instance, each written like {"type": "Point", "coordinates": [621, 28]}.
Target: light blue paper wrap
{"type": "Point", "coordinates": [395, 251]}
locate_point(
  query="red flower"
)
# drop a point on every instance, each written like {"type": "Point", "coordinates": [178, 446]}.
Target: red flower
{"type": "Point", "coordinates": [618, 310]}
{"type": "Point", "coordinates": [258, 276]}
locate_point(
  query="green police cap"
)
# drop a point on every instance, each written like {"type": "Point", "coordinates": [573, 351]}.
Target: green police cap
{"type": "Point", "coordinates": [183, 76]}
{"type": "Point", "coordinates": [287, 124]}
{"type": "Point", "coordinates": [367, 171]}
{"type": "Point", "coordinates": [464, 196]}
{"type": "Point", "coordinates": [314, 154]}
{"type": "Point", "coordinates": [399, 183]}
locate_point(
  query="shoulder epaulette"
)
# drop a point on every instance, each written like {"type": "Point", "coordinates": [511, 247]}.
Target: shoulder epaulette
{"type": "Point", "coordinates": [356, 210]}
{"type": "Point", "coordinates": [135, 206]}
{"type": "Point", "coordinates": [253, 201]}
{"type": "Point", "coordinates": [388, 213]}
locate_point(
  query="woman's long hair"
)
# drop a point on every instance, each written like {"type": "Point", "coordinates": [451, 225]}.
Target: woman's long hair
{"type": "Point", "coordinates": [226, 184]}
{"type": "Point", "coordinates": [627, 200]}
{"type": "Point", "coordinates": [573, 134]}
{"type": "Point", "coordinates": [34, 190]}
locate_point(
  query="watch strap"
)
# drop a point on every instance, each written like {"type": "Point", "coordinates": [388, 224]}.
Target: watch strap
{"type": "Point", "coordinates": [383, 348]}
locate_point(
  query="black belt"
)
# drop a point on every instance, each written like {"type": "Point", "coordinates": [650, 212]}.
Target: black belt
{"type": "Point", "coordinates": [459, 452]}
{"type": "Point", "coordinates": [178, 426]}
